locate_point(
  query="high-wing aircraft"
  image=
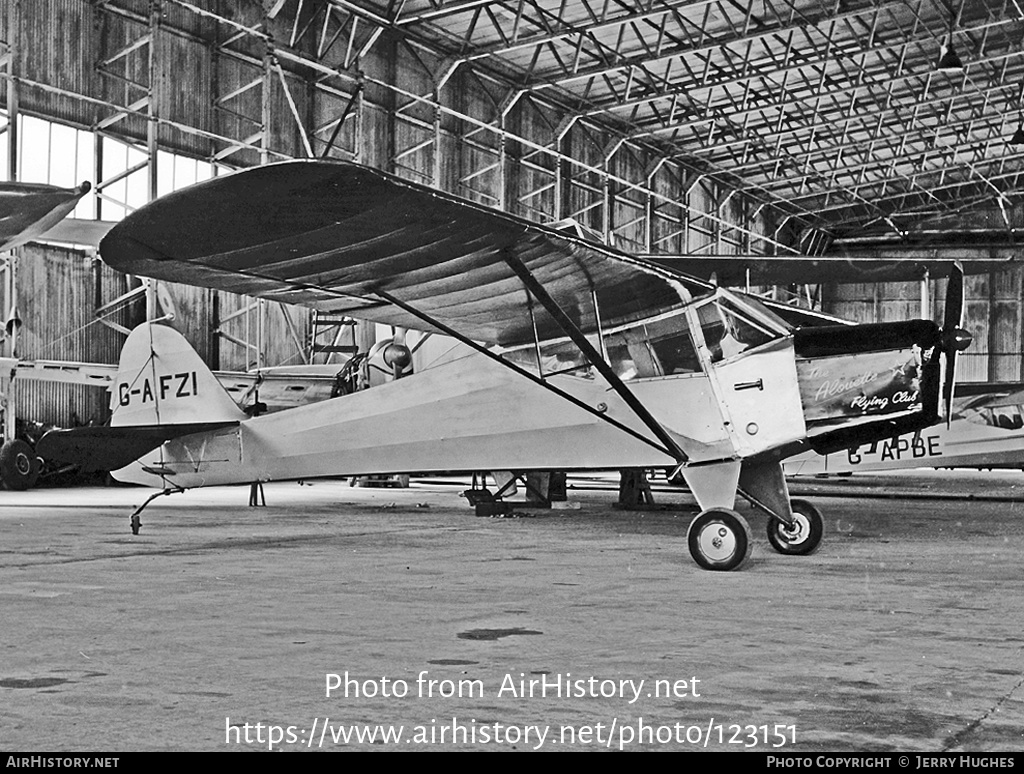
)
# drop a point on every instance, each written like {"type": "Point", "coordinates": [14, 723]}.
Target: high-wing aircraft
{"type": "Point", "coordinates": [574, 355]}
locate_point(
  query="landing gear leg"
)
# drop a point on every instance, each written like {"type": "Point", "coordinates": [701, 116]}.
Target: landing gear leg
{"type": "Point", "coordinates": [795, 527]}
{"type": "Point", "coordinates": [719, 539]}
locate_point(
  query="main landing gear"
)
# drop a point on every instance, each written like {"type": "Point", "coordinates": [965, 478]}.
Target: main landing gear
{"type": "Point", "coordinates": [719, 538]}
{"type": "Point", "coordinates": [802, 537]}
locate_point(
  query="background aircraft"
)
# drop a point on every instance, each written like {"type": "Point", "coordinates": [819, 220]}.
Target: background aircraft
{"type": "Point", "coordinates": [574, 355]}
{"type": "Point", "coordinates": [986, 431]}
{"type": "Point", "coordinates": [27, 211]}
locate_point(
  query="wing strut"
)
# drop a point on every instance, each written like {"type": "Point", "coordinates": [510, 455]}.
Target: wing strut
{"type": "Point", "coordinates": [666, 449]}
{"type": "Point", "coordinates": [580, 340]}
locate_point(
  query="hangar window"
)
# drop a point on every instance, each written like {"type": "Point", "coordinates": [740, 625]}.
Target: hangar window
{"type": "Point", "coordinates": [57, 154]}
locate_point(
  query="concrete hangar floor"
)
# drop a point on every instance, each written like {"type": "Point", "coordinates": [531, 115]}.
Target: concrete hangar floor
{"type": "Point", "coordinates": [341, 618]}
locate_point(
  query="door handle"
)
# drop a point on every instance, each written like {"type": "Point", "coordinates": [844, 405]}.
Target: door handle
{"type": "Point", "coordinates": [759, 384]}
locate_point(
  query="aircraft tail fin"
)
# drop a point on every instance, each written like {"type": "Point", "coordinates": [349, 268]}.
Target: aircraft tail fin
{"type": "Point", "coordinates": [161, 380]}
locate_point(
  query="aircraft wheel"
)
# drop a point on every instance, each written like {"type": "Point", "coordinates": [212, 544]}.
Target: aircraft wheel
{"type": "Point", "coordinates": [804, 537]}
{"type": "Point", "coordinates": [719, 539]}
{"type": "Point", "coordinates": [19, 465]}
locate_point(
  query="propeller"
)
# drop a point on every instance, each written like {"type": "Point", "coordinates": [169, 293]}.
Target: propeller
{"type": "Point", "coordinates": [954, 338]}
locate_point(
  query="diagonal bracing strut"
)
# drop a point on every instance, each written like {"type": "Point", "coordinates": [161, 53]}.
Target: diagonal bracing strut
{"type": "Point", "coordinates": [449, 331]}
{"type": "Point", "coordinates": [571, 330]}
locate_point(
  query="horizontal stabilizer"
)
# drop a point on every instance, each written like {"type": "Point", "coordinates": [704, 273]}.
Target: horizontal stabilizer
{"type": "Point", "coordinates": [111, 448]}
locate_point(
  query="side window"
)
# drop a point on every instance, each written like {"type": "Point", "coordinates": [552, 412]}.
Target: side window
{"type": "Point", "coordinates": [727, 333]}
{"type": "Point", "coordinates": [676, 354]}
{"type": "Point", "coordinates": [621, 360]}
{"type": "Point", "coordinates": [658, 348]}
{"type": "Point", "coordinates": [556, 358]}
{"type": "Point", "coordinates": [629, 355]}
{"type": "Point", "coordinates": [642, 358]}
{"type": "Point", "coordinates": [712, 325]}
{"type": "Point", "coordinates": [669, 341]}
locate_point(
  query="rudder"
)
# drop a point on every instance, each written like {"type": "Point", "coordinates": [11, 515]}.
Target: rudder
{"type": "Point", "coordinates": [161, 380]}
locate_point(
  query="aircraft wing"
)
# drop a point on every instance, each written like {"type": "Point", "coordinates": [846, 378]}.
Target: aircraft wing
{"type": "Point", "coordinates": [28, 210]}
{"type": "Point", "coordinates": [740, 270]}
{"type": "Point", "coordinates": [348, 239]}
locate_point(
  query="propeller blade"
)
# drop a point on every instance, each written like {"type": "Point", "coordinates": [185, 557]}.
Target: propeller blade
{"type": "Point", "coordinates": [953, 335]}
{"type": "Point", "coordinates": [954, 314]}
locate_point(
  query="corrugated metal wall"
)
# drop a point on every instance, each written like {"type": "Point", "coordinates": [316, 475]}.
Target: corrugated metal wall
{"type": "Point", "coordinates": [214, 86]}
{"type": "Point", "coordinates": [57, 294]}
{"type": "Point", "coordinates": [992, 313]}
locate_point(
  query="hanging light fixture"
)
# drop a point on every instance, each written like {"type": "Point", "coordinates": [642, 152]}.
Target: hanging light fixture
{"type": "Point", "coordinates": [949, 59]}
{"type": "Point", "coordinates": [1018, 136]}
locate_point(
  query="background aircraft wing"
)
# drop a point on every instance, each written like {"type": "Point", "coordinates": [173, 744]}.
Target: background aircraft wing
{"type": "Point", "coordinates": [740, 270]}
{"type": "Point", "coordinates": [331, 235]}
{"type": "Point", "coordinates": [28, 210]}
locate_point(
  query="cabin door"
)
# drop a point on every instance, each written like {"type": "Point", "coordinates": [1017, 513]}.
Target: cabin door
{"type": "Point", "coordinates": [752, 369]}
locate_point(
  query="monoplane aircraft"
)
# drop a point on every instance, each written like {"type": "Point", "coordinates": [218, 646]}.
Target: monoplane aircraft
{"type": "Point", "coordinates": [574, 355]}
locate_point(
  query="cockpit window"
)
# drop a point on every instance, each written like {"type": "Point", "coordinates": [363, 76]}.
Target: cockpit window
{"type": "Point", "coordinates": [561, 357]}
{"type": "Point", "coordinates": [1007, 417]}
{"type": "Point", "coordinates": [672, 346]}
{"type": "Point", "coordinates": [664, 345]}
{"type": "Point", "coordinates": [676, 354]}
{"type": "Point", "coordinates": [728, 331]}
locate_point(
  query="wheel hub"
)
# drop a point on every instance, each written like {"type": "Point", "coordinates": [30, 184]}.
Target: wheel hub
{"type": "Point", "coordinates": [23, 464]}
{"type": "Point", "coordinates": [718, 541]}
{"type": "Point", "coordinates": [794, 532]}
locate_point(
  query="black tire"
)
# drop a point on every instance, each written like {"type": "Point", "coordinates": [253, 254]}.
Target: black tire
{"type": "Point", "coordinates": [719, 539]}
{"type": "Point", "coordinates": [19, 466]}
{"type": "Point", "coordinates": [804, 538]}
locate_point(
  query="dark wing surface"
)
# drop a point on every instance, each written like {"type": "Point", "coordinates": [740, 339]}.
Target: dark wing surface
{"type": "Point", "coordinates": [341, 237]}
{"type": "Point", "coordinates": [740, 270]}
{"type": "Point", "coordinates": [28, 210]}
